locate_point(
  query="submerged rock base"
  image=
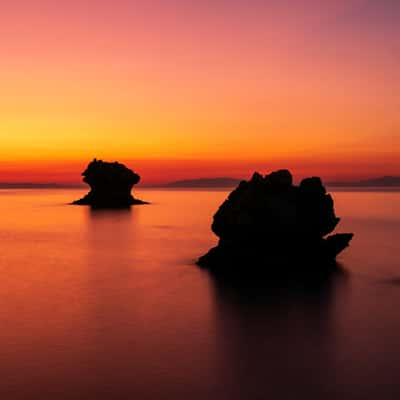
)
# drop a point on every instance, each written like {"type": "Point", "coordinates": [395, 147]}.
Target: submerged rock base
{"type": "Point", "coordinates": [270, 225]}
{"type": "Point", "coordinates": [111, 185]}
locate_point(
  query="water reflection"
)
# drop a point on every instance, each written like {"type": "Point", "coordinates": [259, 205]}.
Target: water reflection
{"type": "Point", "coordinates": [148, 320]}
{"type": "Point", "coordinates": [100, 304]}
{"type": "Point", "coordinates": [277, 338]}
{"type": "Point", "coordinates": [111, 240]}
{"type": "Point", "coordinates": [108, 213]}
{"type": "Point", "coordinates": [112, 229]}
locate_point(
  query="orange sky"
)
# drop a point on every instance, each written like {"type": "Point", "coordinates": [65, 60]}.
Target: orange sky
{"type": "Point", "coordinates": [196, 88]}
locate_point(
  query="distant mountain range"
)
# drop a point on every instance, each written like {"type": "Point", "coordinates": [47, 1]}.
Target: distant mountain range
{"type": "Point", "coordinates": [33, 185]}
{"type": "Point", "coordinates": [225, 182]}
{"type": "Point", "coordinates": [219, 182]}
{"type": "Point", "coordinates": [384, 181]}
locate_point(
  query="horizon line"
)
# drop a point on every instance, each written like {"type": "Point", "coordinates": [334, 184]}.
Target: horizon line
{"type": "Point", "coordinates": [188, 182]}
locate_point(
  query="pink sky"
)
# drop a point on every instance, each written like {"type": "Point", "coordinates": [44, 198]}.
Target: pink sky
{"type": "Point", "coordinates": [225, 86]}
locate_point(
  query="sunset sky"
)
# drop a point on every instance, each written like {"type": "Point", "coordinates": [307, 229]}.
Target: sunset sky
{"type": "Point", "coordinates": [180, 89]}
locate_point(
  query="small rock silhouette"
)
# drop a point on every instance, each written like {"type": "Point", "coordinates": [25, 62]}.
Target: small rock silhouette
{"type": "Point", "coordinates": [268, 221]}
{"type": "Point", "coordinates": [111, 184]}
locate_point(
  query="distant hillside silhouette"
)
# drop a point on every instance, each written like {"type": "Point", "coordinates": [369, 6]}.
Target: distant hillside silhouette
{"type": "Point", "coordinates": [227, 182]}
{"type": "Point", "coordinates": [384, 181]}
{"type": "Point", "coordinates": [34, 185]}
{"type": "Point", "coordinates": [219, 182]}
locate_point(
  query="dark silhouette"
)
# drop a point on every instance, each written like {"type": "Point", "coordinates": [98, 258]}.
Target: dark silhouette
{"type": "Point", "coordinates": [110, 184]}
{"type": "Point", "coordinates": [269, 222]}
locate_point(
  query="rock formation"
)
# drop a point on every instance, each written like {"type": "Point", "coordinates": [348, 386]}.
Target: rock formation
{"type": "Point", "coordinates": [110, 184]}
{"type": "Point", "coordinates": [268, 222]}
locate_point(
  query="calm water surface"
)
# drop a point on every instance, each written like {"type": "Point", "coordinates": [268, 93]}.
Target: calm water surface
{"type": "Point", "coordinates": [103, 305]}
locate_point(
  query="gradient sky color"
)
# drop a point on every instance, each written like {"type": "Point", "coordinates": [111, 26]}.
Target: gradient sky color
{"type": "Point", "coordinates": [181, 89]}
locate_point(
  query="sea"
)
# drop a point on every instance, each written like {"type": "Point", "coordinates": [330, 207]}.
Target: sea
{"type": "Point", "coordinates": [110, 305]}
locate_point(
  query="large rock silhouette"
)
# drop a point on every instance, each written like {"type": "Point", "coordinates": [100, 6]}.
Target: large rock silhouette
{"type": "Point", "coordinates": [269, 222]}
{"type": "Point", "coordinates": [111, 184]}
